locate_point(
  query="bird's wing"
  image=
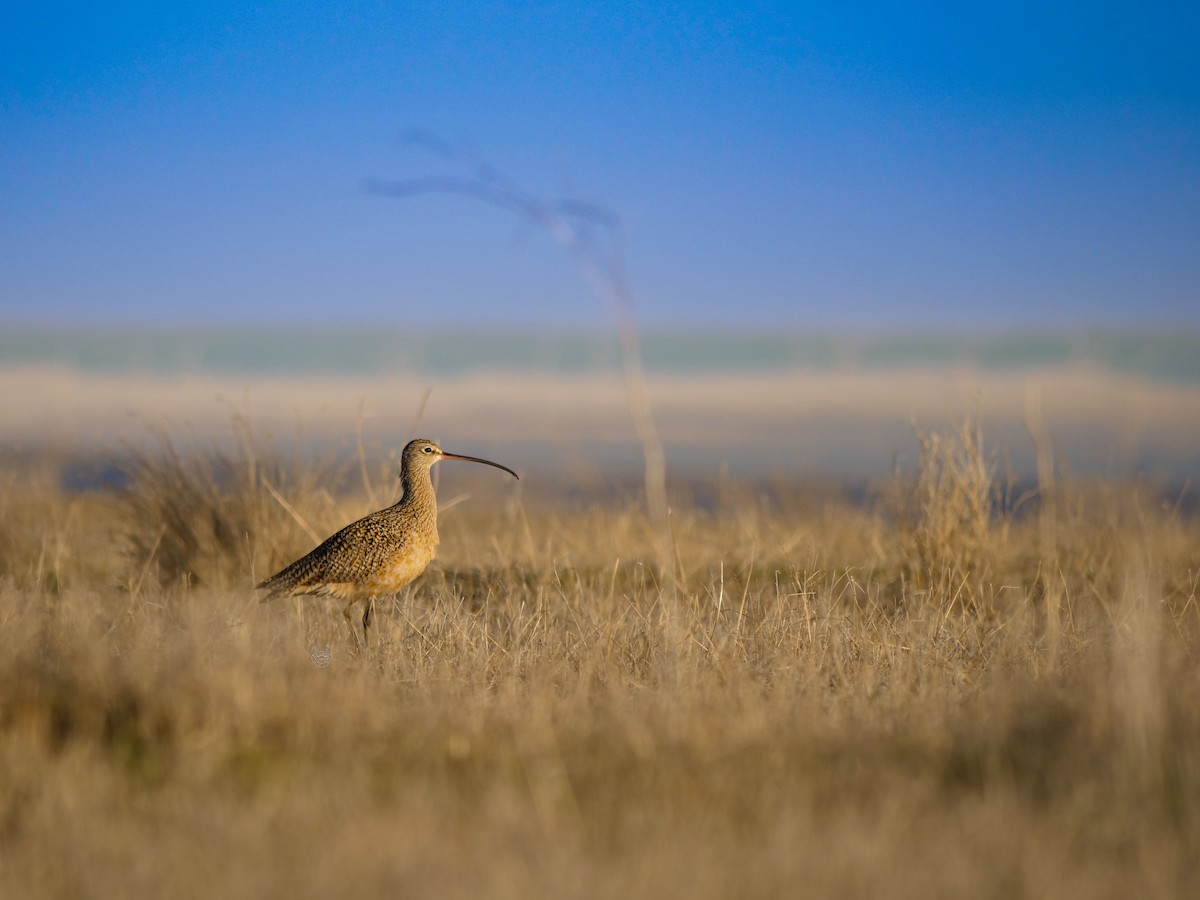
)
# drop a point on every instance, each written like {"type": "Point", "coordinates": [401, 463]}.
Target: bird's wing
{"type": "Point", "coordinates": [351, 555]}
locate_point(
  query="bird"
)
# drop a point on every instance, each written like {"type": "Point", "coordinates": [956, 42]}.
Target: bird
{"type": "Point", "coordinates": [381, 552]}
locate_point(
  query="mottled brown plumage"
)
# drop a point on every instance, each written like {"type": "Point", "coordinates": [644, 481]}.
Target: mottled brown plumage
{"type": "Point", "coordinates": [381, 552]}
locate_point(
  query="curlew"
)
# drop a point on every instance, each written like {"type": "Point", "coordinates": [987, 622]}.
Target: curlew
{"type": "Point", "coordinates": [381, 552]}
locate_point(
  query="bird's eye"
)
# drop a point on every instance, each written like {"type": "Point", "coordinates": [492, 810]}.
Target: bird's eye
{"type": "Point", "coordinates": [428, 449]}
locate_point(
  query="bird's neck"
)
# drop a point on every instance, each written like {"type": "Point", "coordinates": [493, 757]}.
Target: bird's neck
{"type": "Point", "coordinates": [418, 489]}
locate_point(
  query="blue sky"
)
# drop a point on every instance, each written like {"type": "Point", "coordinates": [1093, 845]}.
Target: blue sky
{"type": "Point", "coordinates": [801, 166]}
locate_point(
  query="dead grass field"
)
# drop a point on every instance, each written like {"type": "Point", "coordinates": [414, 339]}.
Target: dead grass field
{"type": "Point", "coordinates": [921, 698]}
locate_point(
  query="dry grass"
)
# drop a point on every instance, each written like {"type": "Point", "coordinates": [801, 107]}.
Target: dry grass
{"type": "Point", "coordinates": [928, 699]}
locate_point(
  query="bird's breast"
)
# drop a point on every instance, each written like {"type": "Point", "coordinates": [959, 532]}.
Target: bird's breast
{"type": "Point", "coordinates": [402, 569]}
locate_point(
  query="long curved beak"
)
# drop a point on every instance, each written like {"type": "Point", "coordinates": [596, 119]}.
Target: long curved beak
{"type": "Point", "coordinates": [486, 462]}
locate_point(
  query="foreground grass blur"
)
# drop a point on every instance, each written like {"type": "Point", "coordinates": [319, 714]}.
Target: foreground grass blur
{"type": "Point", "coordinates": [925, 698]}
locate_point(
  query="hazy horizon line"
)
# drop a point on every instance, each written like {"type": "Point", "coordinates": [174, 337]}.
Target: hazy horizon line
{"type": "Point", "coordinates": [1159, 354]}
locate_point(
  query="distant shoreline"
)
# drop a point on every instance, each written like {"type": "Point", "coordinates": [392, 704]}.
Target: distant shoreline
{"type": "Point", "coordinates": [1160, 355]}
{"type": "Point", "coordinates": [839, 423]}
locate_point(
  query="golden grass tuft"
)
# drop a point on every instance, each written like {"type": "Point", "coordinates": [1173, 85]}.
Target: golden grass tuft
{"type": "Point", "coordinates": [821, 698]}
{"type": "Point", "coordinates": [949, 541]}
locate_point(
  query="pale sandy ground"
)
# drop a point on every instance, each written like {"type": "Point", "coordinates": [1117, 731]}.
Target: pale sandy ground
{"type": "Point", "coordinates": [850, 423]}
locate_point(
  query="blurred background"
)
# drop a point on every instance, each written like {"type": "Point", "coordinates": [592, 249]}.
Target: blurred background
{"type": "Point", "coordinates": [834, 219]}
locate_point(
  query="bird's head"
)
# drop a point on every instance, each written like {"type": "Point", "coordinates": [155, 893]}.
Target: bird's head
{"type": "Point", "coordinates": [424, 453]}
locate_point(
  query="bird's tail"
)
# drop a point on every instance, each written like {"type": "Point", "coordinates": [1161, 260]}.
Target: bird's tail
{"type": "Point", "coordinates": [276, 586]}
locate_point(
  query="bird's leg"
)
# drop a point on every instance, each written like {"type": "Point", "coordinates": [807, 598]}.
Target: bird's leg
{"type": "Point", "coordinates": [367, 613]}
{"type": "Point", "coordinates": [350, 622]}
